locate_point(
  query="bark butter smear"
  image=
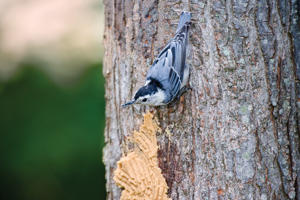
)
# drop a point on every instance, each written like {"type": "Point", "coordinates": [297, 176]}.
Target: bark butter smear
{"type": "Point", "coordinates": [138, 172]}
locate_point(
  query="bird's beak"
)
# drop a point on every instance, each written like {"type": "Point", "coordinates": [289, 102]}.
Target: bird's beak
{"type": "Point", "coordinates": [128, 103]}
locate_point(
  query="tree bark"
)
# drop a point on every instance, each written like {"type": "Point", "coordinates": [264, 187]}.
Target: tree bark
{"type": "Point", "coordinates": [236, 134]}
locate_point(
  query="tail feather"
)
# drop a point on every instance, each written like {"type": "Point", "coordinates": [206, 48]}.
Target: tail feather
{"type": "Point", "coordinates": [185, 18]}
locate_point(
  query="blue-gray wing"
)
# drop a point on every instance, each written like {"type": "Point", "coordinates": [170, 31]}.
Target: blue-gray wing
{"type": "Point", "coordinates": [163, 72]}
{"type": "Point", "coordinates": [168, 67]}
{"type": "Point", "coordinates": [178, 47]}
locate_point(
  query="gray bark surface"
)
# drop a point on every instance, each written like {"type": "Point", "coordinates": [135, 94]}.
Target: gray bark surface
{"type": "Point", "coordinates": [236, 134]}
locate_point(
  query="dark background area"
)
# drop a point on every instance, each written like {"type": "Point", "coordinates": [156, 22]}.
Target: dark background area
{"type": "Point", "coordinates": [52, 136]}
{"type": "Point", "coordinates": [51, 100]}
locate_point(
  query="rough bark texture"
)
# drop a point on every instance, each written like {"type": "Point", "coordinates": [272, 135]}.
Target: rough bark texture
{"type": "Point", "coordinates": [236, 134]}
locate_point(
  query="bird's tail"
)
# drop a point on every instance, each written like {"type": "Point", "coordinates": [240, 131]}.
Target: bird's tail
{"type": "Point", "coordinates": [185, 18]}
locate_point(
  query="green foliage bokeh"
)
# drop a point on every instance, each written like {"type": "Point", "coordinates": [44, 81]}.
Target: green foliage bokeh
{"type": "Point", "coordinates": [52, 137]}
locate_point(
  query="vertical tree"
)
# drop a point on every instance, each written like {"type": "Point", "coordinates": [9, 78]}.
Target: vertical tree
{"type": "Point", "coordinates": [236, 134]}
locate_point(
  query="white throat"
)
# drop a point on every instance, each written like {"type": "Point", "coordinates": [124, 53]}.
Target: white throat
{"type": "Point", "coordinates": [158, 98]}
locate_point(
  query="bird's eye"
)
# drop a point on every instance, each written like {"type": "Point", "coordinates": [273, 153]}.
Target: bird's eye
{"type": "Point", "coordinates": [144, 100]}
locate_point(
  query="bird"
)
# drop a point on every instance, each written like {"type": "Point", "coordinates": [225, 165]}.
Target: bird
{"type": "Point", "coordinates": [168, 75]}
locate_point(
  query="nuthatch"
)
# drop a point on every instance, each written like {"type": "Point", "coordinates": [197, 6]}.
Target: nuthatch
{"type": "Point", "coordinates": [168, 75]}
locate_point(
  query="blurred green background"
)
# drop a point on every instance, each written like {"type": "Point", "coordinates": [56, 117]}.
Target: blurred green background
{"type": "Point", "coordinates": [51, 100]}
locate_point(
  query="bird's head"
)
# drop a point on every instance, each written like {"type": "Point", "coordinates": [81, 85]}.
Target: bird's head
{"type": "Point", "coordinates": [150, 94]}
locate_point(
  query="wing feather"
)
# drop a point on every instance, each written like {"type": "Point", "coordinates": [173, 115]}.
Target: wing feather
{"type": "Point", "coordinates": [168, 67]}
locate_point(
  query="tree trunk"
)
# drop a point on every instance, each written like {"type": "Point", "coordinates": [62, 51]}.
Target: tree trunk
{"type": "Point", "coordinates": [235, 135]}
